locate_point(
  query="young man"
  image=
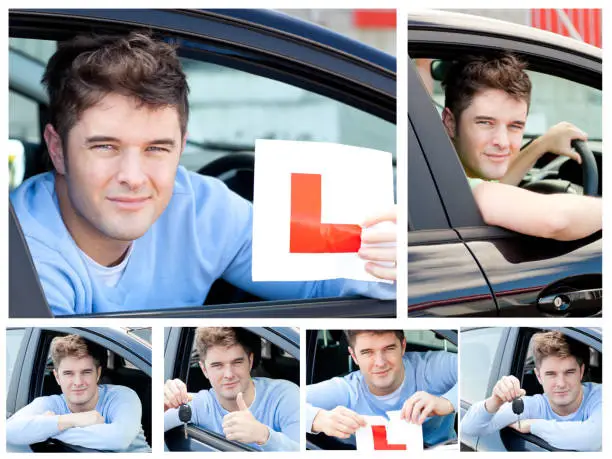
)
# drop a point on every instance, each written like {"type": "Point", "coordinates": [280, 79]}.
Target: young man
{"type": "Point", "coordinates": [423, 385]}
{"type": "Point", "coordinates": [568, 415]}
{"type": "Point", "coordinates": [262, 412]}
{"type": "Point", "coordinates": [119, 225]}
{"type": "Point", "coordinates": [486, 106]}
{"type": "Point", "coordinates": [105, 417]}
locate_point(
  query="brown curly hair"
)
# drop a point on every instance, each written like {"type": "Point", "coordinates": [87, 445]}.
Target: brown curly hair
{"type": "Point", "coordinates": [556, 344]}
{"type": "Point", "coordinates": [207, 337]}
{"type": "Point", "coordinates": [87, 68]}
{"type": "Point", "coordinates": [75, 346]}
{"type": "Point", "coordinates": [471, 74]}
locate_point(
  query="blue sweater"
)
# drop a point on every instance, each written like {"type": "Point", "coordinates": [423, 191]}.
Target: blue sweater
{"type": "Point", "coordinates": [204, 234]}
{"type": "Point", "coordinates": [579, 431]}
{"type": "Point", "coordinates": [119, 406]}
{"type": "Point", "coordinates": [276, 404]}
{"type": "Point", "coordinates": [434, 372]}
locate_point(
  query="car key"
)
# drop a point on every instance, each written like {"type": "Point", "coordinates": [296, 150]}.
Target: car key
{"type": "Point", "coordinates": [517, 408]}
{"type": "Point", "coordinates": [185, 416]}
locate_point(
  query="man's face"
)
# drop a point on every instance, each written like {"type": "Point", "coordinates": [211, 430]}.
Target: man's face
{"type": "Point", "coordinates": [561, 379]}
{"type": "Point", "coordinates": [379, 357]}
{"type": "Point", "coordinates": [78, 379]}
{"type": "Point", "coordinates": [228, 369]}
{"type": "Point", "coordinates": [119, 162]}
{"type": "Point", "coordinates": [489, 132]}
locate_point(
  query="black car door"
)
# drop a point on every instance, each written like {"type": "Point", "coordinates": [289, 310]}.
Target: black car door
{"type": "Point", "coordinates": [444, 278]}
{"type": "Point", "coordinates": [526, 274]}
{"type": "Point", "coordinates": [257, 43]}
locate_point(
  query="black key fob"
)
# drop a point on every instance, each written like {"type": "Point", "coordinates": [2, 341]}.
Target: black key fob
{"type": "Point", "coordinates": [518, 406]}
{"type": "Point", "coordinates": [184, 413]}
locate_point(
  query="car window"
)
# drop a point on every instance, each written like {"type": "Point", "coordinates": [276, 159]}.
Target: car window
{"type": "Point", "coordinates": [580, 104]}
{"type": "Point", "coordinates": [428, 340]}
{"type": "Point", "coordinates": [231, 108]}
{"type": "Point", "coordinates": [14, 337]}
{"type": "Point", "coordinates": [142, 333]}
{"type": "Point", "coordinates": [476, 356]}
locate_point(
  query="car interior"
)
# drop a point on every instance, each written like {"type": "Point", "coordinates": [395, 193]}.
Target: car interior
{"type": "Point", "coordinates": [550, 168]}
{"type": "Point", "coordinates": [332, 359]}
{"type": "Point", "coordinates": [115, 370]}
{"type": "Point", "coordinates": [269, 361]}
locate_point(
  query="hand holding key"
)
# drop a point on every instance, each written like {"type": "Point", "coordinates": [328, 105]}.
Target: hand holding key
{"type": "Point", "coordinates": [506, 390]}
{"type": "Point", "coordinates": [175, 394]}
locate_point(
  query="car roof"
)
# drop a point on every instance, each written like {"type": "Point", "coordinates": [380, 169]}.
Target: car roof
{"type": "Point", "coordinates": [290, 25]}
{"type": "Point", "coordinates": [471, 23]}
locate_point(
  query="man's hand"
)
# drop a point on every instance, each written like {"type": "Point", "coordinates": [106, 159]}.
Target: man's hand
{"type": "Point", "coordinates": [422, 405]}
{"type": "Point", "coordinates": [339, 422]}
{"type": "Point", "coordinates": [558, 140]}
{"type": "Point", "coordinates": [242, 426]}
{"type": "Point", "coordinates": [84, 419]}
{"type": "Point", "coordinates": [175, 394]}
{"type": "Point", "coordinates": [525, 426]}
{"type": "Point", "coordinates": [385, 238]}
{"type": "Point", "coordinates": [505, 390]}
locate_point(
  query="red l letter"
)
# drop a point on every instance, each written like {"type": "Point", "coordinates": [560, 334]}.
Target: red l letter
{"type": "Point", "coordinates": [380, 439]}
{"type": "Point", "coordinates": [307, 233]}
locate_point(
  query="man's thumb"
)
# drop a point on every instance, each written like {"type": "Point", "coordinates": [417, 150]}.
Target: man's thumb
{"type": "Point", "coordinates": [240, 401]}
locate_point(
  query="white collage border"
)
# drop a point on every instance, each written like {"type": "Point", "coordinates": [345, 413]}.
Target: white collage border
{"type": "Point", "coordinates": [403, 7]}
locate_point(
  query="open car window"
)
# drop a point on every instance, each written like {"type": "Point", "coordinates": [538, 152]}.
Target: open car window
{"type": "Point", "coordinates": [269, 361]}
{"type": "Point", "coordinates": [332, 359]}
{"type": "Point", "coordinates": [116, 370]}
{"type": "Point", "coordinates": [229, 109]}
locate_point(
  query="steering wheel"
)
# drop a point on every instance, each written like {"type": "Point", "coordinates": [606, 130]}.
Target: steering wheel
{"type": "Point", "coordinates": [590, 175]}
{"type": "Point", "coordinates": [233, 161]}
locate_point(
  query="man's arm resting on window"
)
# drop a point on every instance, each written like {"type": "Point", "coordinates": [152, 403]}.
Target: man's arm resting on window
{"type": "Point", "coordinates": [122, 427]}
{"type": "Point", "coordinates": [31, 425]}
{"type": "Point", "coordinates": [564, 217]}
{"type": "Point", "coordinates": [478, 421]}
{"type": "Point", "coordinates": [574, 435]}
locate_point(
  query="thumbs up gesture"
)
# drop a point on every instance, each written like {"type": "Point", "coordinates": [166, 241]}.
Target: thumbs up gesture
{"type": "Point", "coordinates": [242, 426]}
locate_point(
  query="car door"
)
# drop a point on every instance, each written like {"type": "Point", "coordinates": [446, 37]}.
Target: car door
{"type": "Point", "coordinates": [357, 82]}
{"type": "Point", "coordinates": [28, 380]}
{"type": "Point", "coordinates": [178, 344]}
{"type": "Point", "coordinates": [524, 274]}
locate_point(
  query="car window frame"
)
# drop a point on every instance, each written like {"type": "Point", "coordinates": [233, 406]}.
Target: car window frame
{"type": "Point", "coordinates": [27, 383]}
{"type": "Point", "coordinates": [427, 40]}
{"type": "Point", "coordinates": [352, 80]}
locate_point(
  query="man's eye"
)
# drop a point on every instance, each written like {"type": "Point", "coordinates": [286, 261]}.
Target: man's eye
{"type": "Point", "coordinates": [158, 149]}
{"type": "Point", "coordinates": [104, 147]}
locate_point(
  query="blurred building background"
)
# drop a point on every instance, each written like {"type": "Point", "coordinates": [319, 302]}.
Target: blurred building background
{"type": "Point", "coordinates": [581, 24]}
{"type": "Point", "coordinates": [373, 27]}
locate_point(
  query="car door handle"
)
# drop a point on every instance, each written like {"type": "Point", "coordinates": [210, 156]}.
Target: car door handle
{"type": "Point", "coordinates": [562, 301]}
